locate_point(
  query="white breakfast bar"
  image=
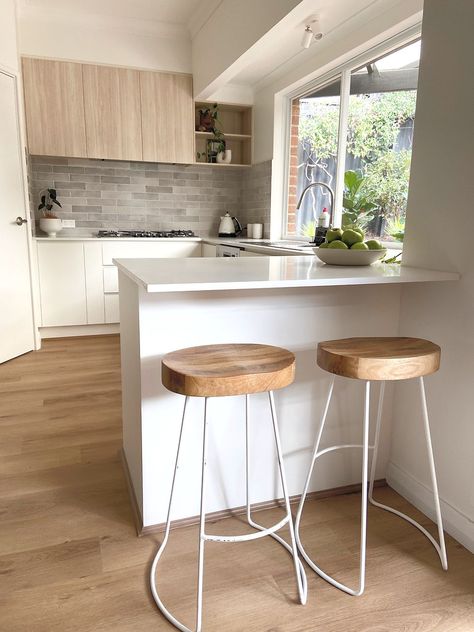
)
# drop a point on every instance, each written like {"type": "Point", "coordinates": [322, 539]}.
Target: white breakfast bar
{"type": "Point", "coordinates": [289, 301]}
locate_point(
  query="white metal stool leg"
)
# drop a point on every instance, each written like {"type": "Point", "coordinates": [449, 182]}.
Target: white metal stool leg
{"type": "Point", "coordinates": [440, 547]}
{"type": "Point", "coordinates": [292, 549]}
{"type": "Point", "coordinates": [363, 524]}
{"type": "Point", "coordinates": [162, 547]}
{"type": "Point", "coordinates": [203, 536]}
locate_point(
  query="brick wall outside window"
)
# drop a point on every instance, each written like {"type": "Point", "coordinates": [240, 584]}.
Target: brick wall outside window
{"type": "Point", "coordinates": [293, 170]}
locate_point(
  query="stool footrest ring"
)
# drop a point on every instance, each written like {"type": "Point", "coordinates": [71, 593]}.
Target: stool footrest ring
{"type": "Point", "coordinates": [261, 533]}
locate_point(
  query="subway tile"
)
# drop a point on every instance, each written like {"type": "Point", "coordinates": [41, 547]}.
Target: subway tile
{"type": "Point", "coordinates": [66, 184]}
{"type": "Point", "coordinates": [82, 177]}
{"type": "Point", "coordinates": [158, 189]}
{"type": "Point", "coordinates": [115, 179]}
{"type": "Point", "coordinates": [86, 209]}
{"type": "Point", "coordinates": [100, 201]}
{"type": "Point", "coordinates": [136, 203]}
{"type": "Point", "coordinates": [100, 171]}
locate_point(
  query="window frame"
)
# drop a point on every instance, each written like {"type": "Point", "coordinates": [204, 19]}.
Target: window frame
{"type": "Point", "coordinates": [341, 73]}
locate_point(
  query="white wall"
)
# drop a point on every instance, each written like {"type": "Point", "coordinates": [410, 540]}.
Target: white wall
{"type": "Point", "coordinates": [8, 43]}
{"type": "Point", "coordinates": [232, 29]}
{"type": "Point", "coordinates": [348, 41]}
{"type": "Point", "coordinates": [106, 40]}
{"type": "Point", "coordinates": [440, 235]}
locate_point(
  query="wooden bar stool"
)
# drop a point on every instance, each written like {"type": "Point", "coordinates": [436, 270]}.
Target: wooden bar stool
{"type": "Point", "coordinates": [218, 371]}
{"type": "Point", "coordinates": [375, 359]}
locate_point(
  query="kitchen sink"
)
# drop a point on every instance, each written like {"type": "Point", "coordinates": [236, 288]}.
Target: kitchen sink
{"type": "Point", "coordinates": [288, 245]}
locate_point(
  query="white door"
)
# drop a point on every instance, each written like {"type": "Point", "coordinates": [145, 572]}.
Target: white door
{"type": "Point", "coordinates": [16, 310]}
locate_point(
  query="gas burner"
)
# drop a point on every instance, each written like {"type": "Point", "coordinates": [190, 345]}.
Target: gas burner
{"type": "Point", "coordinates": [145, 233]}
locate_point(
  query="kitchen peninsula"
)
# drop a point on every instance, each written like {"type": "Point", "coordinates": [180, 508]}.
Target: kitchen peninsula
{"type": "Point", "coordinates": [293, 301]}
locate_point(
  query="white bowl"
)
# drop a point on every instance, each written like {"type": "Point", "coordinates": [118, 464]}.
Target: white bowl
{"type": "Point", "coordinates": [341, 257]}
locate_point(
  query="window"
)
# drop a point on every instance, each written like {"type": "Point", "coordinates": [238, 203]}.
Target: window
{"type": "Point", "coordinates": [355, 133]}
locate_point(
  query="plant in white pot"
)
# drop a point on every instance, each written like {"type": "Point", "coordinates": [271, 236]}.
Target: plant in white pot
{"type": "Point", "coordinates": [49, 221]}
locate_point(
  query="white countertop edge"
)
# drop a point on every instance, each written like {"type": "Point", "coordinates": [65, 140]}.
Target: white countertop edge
{"type": "Point", "coordinates": [408, 275]}
{"type": "Point", "coordinates": [122, 239]}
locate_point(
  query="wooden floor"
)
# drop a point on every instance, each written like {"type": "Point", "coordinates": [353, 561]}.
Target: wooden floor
{"type": "Point", "coordinates": [70, 559]}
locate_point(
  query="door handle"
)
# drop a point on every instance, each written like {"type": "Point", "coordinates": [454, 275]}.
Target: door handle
{"type": "Point", "coordinates": [20, 221]}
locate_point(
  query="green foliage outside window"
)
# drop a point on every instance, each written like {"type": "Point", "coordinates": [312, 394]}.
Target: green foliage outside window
{"type": "Point", "coordinates": [380, 187]}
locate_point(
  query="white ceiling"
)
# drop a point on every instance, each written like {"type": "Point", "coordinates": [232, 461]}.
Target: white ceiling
{"type": "Point", "coordinates": [276, 54]}
{"type": "Point", "coordinates": [180, 12]}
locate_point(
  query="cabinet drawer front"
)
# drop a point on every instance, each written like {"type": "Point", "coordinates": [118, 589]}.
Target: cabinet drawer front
{"type": "Point", "coordinates": [110, 279]}
{"type": "Point", "coordinates": [112, 311]}
{"type": "Point", "coordinates": [139, 250]}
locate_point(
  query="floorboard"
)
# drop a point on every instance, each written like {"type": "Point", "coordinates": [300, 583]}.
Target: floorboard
{"type": "Point", "coordinates": [70, 560]}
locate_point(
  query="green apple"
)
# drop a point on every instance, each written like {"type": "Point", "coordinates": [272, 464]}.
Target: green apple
{"type": "Point", "coordinates": [359, 230]}
{"type": "Point", "coordinates": [351, 237]}
{"type": "Point", "coordinates": [337, 243]}
{"type": "Point", "coordinates": [359, 246]}
{"type": "Point", "coordinates": [324, 245]}
{"type": "Point", "coordinates": [373, 244]}
{"type": "Point", "coordinates": [333, 233]}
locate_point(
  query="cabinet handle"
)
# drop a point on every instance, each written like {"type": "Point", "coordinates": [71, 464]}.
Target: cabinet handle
{"type": "Point", "coordinates": [20, 221]}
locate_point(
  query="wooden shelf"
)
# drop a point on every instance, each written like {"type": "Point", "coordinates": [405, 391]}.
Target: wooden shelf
{"type": "Point", "coordinates": [235, 123]}
{"type": "Point", "coordinates": [226, 136]}
{"type": "Point", "coordinates": [222, 164]}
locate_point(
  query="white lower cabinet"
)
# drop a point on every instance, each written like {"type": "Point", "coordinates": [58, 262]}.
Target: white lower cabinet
{"type": "Point", "coordinates": [62, 281]}
{"type": "Point", "coordinates": [112, 312]}
{"type": "Point", "coordinates": [79, 283]}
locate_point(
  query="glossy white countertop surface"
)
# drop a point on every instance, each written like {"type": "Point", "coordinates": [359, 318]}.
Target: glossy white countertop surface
{"type": "Point", "coordinates": [195, 274]}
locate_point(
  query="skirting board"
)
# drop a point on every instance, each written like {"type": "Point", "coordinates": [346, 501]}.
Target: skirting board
{"type": "Point", "coordinates": [226, 513]}
{"type": "Point", "coordinates": [79, 330]}
{"type": "Point", "coordinates": [456, 523]}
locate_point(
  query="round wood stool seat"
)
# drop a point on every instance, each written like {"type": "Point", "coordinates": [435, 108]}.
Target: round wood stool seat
{"type": "Point", "coordinates": [227, 369]}
{"type": "Point", "coordinates": [379, 358]}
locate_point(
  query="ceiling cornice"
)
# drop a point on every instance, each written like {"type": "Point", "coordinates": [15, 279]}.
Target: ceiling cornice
{"type": "Point", "coordinates": [150, 28]}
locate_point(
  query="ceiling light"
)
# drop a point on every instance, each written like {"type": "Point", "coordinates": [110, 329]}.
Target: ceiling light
{"type": "Point", "coordinates": [307, 37]}
{"type": "Point", "coordinates": [317, 30]}
{"type": "Point", "coordinates": [312, 31]}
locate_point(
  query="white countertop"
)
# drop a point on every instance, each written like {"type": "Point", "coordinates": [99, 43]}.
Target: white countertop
{"type": "Point", "coordinates": [194, 274]}
{"type": "Point", "coordinates": [118, 239]}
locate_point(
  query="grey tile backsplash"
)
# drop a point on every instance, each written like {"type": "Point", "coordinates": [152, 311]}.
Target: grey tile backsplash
{"type": "Point", "coordinates": [107, 194]}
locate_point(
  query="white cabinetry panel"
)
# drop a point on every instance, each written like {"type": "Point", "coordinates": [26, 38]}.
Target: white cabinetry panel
{"type": "Point", "coordinates": [112, 311]}
{"type": "Point", "coordinates": [62, 283]}
{"type": "Point", "coordinates": [110, 279]}
{"type": "Point", "coordinates": [94, 283]}
{"type": "Point", "coordinates": [139, 250]}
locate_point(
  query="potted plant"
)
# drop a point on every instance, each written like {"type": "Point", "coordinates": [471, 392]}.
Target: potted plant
{"type": "Point", "coordinates": [208, 117]}
{"type": "Point", "coordinates": [216, 146]}
{"type": "Point", "coordinates": [49, 221]}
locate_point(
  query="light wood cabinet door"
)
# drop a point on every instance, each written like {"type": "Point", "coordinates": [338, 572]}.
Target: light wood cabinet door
{"type": "Point", "coordinates": [54, 105]}
{"type": "Point", "coordinates": [113, 113]}
{"type": "Point", "coordinates": [167, 117]}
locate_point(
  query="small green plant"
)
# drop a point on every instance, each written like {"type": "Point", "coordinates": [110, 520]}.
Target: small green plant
{"type": "Point", "coordinates": [209, 122]}
{"type": "Point", "coordinates": [396, 228]}
{"type": "Point", "coordinates": [308, 230]}
{"type": "Point", "coordinates": [48, 198]}
{"type": "Point", "coordinates": [357, 202]}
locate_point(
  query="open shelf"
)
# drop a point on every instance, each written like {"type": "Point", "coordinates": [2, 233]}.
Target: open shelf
{"type": "Point", "coordinates": [235, 122]}
{"type": "Point", "coordinates": [227, 136]}
{"type": "Point", "coordinates": [221, 164]}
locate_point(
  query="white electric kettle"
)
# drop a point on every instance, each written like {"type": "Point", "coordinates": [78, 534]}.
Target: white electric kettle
{"type": "Point", "coordinates": [229, 226]}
